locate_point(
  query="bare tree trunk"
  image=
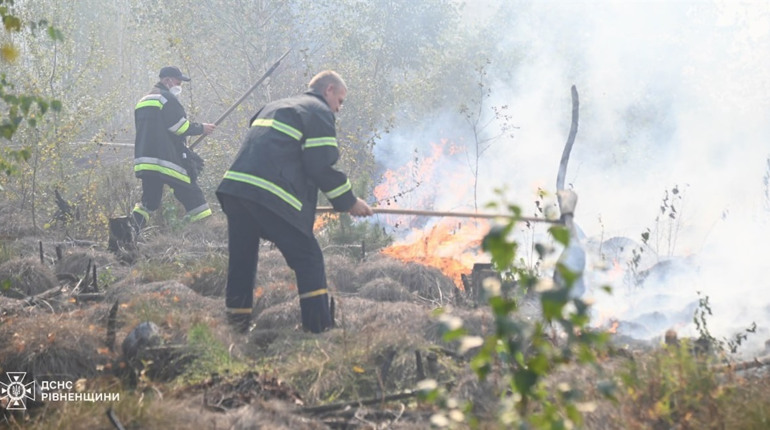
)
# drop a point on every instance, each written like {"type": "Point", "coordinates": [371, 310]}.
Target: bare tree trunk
{"type": "Point", "coordinates": [34, 186]}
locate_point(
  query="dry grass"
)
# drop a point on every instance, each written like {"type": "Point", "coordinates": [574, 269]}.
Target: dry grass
{"type": "Point", "coordinates": [75, 261]}
{"type": "Point", "coordinates": [372, 351]}
{"type": "Point", "coordinates": [386, 290]}
{"type": "Point", "coordinates": [384, 318]}
{"type": "Point", "coordinates": [425, 282]}
{"type": "Point", "coordinates": [341, 274]}
{"type": "Point", "coordinates": [55, 346]}
{"type": "Point", "coordinates": [25, 276]}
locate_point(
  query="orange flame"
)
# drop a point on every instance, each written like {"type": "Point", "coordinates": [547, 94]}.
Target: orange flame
{"type": "Point", "coordinates": [449, 247]}
{"type": "Point", "coordinates": [321, 220]}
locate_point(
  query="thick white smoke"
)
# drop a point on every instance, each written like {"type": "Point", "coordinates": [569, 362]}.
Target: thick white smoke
{"type": "Point", "coordinates": [673, 94]}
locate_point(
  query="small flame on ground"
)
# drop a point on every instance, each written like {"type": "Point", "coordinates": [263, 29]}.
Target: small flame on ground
{"type": "Point", "coordinates": [450, 247]}
{"type": "Point", "coordinates": [321, 220]}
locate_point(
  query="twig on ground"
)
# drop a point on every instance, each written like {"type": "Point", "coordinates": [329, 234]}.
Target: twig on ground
{"type": "Point", "coordinates": [337, 406]}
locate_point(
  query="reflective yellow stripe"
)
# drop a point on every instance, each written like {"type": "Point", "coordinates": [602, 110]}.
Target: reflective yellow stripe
{"type": "Point", "coordinates": [201, 215]}
{"type": "Point", "coordinates": [146, 103]}
{"type": "Point", "coordinates": [342, 189]}
{"type": "Point", "coordinates": [320, 141]}
{"type": "Point", "coordinates": [238, 310]}
{"type": "Point", "coordinates": [164, 170]}
{"type": "Point", "coordinates": [141, 211]}
{"type": "Point", "coordinates": [313, 293]}
{"type": "Point", "coordinates": [278, 125]}
{"type": "Point", "coordinates": [180, 127]}
{"type": "Point", "coordinates": [183, 128]}
{"type": "Point", "coordinates": [265, 185]}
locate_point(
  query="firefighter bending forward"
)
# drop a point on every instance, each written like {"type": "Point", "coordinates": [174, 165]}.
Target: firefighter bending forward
{"type": "Point", "coordinates": [270, 192]}
{"type": "Point", "coordinates": [161, 156]}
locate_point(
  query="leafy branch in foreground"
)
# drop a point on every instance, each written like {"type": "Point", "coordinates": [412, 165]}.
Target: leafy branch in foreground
{"type": "Point", "coordinates": [20, 107]}
{"type": "Point", "coordinates": [524, 353]}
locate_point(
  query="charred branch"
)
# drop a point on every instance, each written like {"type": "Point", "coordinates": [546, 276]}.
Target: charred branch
{"type": "Point", "coordinates": [114, 419]}
{"type": "Point", "coordinates": [418, 361]}
{"type": "Point", "coordinates": [560, 177]}
{"type": "Point", "coordinates": [746, 365]}
{"type": "Point", "coordinates": [112, 325]}
{"type": "Point", "coordinates": [344, 405]}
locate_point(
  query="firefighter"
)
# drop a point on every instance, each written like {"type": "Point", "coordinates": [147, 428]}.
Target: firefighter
{"type": "Point", "coordinates": [270, 192]}
{"type": "Point", "coordinates": [161, 156]}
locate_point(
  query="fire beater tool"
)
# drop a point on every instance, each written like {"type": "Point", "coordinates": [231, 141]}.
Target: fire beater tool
{"type": "Point", "coordinates": [243, 97]}
{"type": "Point", "coordinates": [394, 211]}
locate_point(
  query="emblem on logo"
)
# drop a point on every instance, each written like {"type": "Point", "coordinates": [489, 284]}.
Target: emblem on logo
{"type": "Point", "coordinates": [16, 391]}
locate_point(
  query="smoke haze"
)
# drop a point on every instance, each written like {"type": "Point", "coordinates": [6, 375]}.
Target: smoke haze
{"type": "Point", "coordinates": [672, 95]}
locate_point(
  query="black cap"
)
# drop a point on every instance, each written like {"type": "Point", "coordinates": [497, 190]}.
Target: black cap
{"type": "Point", "coordinates": [172, 72]}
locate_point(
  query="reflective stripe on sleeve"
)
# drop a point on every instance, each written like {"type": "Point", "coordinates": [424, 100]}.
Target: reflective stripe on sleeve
{"type": "Point", "coordinates": [342, 189]}
{"type": "Point", "coordinates": [320, 141]}
{"type": "Point", "coordinates": [180, 127]}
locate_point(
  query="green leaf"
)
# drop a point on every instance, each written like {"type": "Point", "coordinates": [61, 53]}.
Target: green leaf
{"type": "Point", "coordinates": [480, 364]}
{"type": "Point", "coordinates": [538, 364]}
{"type": "Point", "coordinates": [553, 303]}
{"type": "Point", "coordinates": [524, 380]}
{"type": "Point", "coordinates": [560, 234]}
{"type": "Point", "coordinates": [55, 33]}
{"type": "Point", "coordinates": [502, 306]}
{"type": "Point", "coordinates": [11, 23]}
{"type": "Point", "coordinates": [454, 334]}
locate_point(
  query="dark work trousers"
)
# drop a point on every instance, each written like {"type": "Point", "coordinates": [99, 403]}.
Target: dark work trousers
{"type": "Point", "coordinates": [190, 195]}
{"type": "Point", "coordinates": [247, 224]}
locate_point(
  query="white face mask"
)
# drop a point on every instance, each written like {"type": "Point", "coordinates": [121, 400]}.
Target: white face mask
{"type": "Point", "coordinates": [175, 90]}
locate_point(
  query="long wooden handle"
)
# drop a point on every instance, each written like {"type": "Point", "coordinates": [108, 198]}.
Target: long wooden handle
{"type": "Point", "coordinates": [243, 97]}
{"type": "Point", "coordinates": [394, 211]}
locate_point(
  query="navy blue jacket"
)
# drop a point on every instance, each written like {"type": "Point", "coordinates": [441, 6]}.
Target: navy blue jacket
{"type": "Point", "coordinates": [287, 157]}
{"type": "Point", "coordinates": [161, 130]}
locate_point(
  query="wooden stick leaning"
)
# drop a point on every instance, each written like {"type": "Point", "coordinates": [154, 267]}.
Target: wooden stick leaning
{"type": "Point", "coordinates": [243, 97]}
{"type": "Point", "coordinates": [393, 211]}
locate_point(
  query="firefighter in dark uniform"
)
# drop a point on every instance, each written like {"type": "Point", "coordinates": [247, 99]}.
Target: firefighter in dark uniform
{"type": "Point", "coordinates": [271, 190]}
{"type": "Point", "coordinates": [161, 156]}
